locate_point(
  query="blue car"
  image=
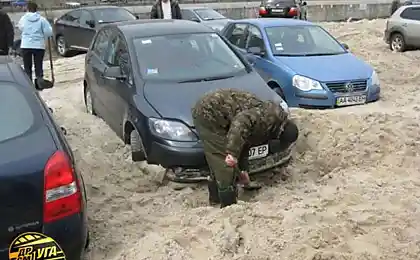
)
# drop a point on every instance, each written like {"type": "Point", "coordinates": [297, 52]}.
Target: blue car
{"type": "Point", "coordinates": [303, 63]}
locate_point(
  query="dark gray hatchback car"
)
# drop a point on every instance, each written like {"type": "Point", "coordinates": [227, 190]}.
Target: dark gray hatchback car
{"type": "Point", "coordinates": [143, 77]}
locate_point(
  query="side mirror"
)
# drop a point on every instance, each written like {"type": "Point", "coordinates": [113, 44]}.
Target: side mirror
{"type": "Point", "coordinates": [114, 73]}
{"type": "Point", "coordinates": [91, 23]}
{"type": "Point", "coordinates": [345, 46]}
{"type": "Point", "coordinates": [137, 17]}
{"type": "Point", "coordinates": [195, 19]}
{"type": "Point", "coordinates": [256, 51]}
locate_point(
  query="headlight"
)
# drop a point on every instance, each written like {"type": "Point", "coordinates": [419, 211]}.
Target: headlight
{"type": "Point", "coordinates": [375, 79]}
{"type": "Point", "coordinates": [305, 84]}
{"type": "Point", "coordinates": [171, 130]}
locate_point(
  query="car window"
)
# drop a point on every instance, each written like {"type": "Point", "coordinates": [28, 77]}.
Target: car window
{"type": "Point", "coordinates": [101, 43]}
{"type": "Point", "coordinates": [112, 15]}
{"type": "Point", "coordinates": [16, 116]}
{"type": "Point", "coordinates": [119, 57]}
{"type": "Point", "coordinates": [187, 14]}
{"type": "Point", "coordinates": [208, 14]}
{"type": "Point", "coordinates": [72, 16]}
{"type": "Point", "coordinates": [412, 13]}
{"type": "Point", "coordinates": [186, 57]}
{"type": "Point", "coordinates": [302, 41]}
{"type": "Point", "coordinates": [236, 35]}
{"type": "Point", "coordinates": [84, 17]}
{"type": "Point", "coordinates": [255, 38]}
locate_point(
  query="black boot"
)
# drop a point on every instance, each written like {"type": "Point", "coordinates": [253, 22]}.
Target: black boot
{"type": "Point", "coordinates": [228, 196]}
{"type": "Point", "coordinates": [213, 192]}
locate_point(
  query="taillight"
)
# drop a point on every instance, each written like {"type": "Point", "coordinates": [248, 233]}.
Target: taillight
{"type": "Point", "coordinates": [62, 196]}
{"type": "Point", "coordinates": [293, 11]}
{"type": "Point", "coordinates": [262, 10]}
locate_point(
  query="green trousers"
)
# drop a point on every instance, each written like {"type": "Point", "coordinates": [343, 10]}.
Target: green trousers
{"type": "Point", "coordinates": [214, 143]}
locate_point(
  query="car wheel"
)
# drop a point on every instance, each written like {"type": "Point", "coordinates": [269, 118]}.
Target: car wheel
{"type": "Point", "coordinates": [138, 153]}
{"type": "Point", "coordinates": [397, 43]}
{"type": "Point", "coordinates": [90, 108]}
{"type": "Point", "coordinates": [62, 48]}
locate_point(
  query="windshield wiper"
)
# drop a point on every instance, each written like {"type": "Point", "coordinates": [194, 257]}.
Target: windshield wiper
{"type": "Point", "coordinates": [206, 79]}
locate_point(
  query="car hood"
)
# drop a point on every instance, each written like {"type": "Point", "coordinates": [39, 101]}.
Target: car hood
{"type": "Point", "coordinates": [216, 24]}
{"type": "Point", "coordinates": [175, 100]}
{"type": "Point", "coordinates": [329, 68]}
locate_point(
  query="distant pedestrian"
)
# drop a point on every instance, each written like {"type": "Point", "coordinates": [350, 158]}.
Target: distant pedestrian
{"type": "Point", "coordinates": [166, 9]}
{"type": "Point", "coordinates": [7, 33]}
{"type": "Point", "coordinates": [394, 6]}
{"type": "Point", "coordinates": [304, 11]}
{"type": "Point", "coordinates": [35, 30]}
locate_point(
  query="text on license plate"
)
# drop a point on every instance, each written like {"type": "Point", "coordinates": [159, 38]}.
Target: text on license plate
{"type": "Point", "coordinates": [257, 152]}
{"type": "Point", "coordinates": [277, 10]}
{"type": "Point", "coordinates": [351, 100]}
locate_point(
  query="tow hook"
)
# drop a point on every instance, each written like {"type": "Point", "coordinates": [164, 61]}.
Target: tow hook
{"type": "Point", "coordinates": [63, 130]}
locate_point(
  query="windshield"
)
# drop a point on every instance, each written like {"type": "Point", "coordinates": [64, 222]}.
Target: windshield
{"type": "Point", "coordinates": [111, 15]}
{"type": "Point", "coordinates": [16, 115]}
{"type": "Point", "coordinates": [209, 14]}
{"type": "Point", "coordinates": [184, 57]}
{"type": "Point", "coordinates": [306, 40]}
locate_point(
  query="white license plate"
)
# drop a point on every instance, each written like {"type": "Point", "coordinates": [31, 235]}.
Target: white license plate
{"type": "Point", "coordinates": [257, 152]}
{"type": "Point", "coordinates": [277, 10]}
{"type": "Point", "coordinates": [351, 100]}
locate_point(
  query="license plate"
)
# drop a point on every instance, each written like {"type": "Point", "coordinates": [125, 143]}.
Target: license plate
{"type": "Point", "coordinates": [351, 100]}
{"type": "Point", "coordinates": [277, 10]}
{"type": "Point", "coordinates": [257, 152]}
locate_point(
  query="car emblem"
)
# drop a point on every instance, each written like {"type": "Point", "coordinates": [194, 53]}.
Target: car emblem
{"type": "Point", "coordinates": [349, 87]}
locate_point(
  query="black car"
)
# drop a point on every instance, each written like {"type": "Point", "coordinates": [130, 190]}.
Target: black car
{"type": "Point", "coordinates": [279, 9]}
{"type": "Point", "coordinates": [143, 78]}
{"type": "Point", "coordinates": [74, 30]}
{"type": "Point", "coordinates": [41, 189]}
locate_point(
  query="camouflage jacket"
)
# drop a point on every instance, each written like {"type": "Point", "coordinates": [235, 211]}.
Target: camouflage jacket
{"type": "Point", "coordinates": [243, 117]}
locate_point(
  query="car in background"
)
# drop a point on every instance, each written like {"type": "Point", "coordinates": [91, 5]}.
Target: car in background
{"type": "Point", "coordinates": [74, 30]}
{"type": "Point", "coordinates": [278, 9]}
{"type": "Point", "coordinates": [143, 77]}
{"type": "Point", "coordinates": [206, 16]}
{"type": "Point", "coordinates": [41, 187]}
{"type": "Point", "coordinates": [303, 63]}
{"type": "Point", "coordinates": [403, 28]}
{"type": "Point", "coordinates": [19, 3]}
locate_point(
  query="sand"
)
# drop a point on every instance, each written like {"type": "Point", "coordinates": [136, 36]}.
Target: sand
{"type": "Point", "coordinates": [353, 190]}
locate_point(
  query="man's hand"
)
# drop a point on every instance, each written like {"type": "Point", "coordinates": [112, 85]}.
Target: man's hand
{"type": "Point", "coordinates": [243, 178]}
{"type": "Point", "coordinates": [230, 160]}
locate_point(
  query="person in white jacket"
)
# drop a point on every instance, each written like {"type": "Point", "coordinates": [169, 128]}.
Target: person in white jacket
{"type": "Point", "coordinates": [35, 30]}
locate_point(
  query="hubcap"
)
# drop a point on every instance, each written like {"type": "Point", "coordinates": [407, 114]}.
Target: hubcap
{"type": "Point", "coordinates": [61, 46]}
{"type": "Point", "coordinates": [397, 43]}
{"type": "Point", "coordinates": [89, 106]}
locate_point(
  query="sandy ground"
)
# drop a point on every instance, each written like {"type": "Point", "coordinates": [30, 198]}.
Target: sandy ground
{"type": "Point", "coordinates": [353, 191]}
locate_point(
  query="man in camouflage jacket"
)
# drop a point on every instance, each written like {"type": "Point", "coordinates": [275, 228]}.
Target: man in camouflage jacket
{"type": "Point", "coordinates": [229, 122]}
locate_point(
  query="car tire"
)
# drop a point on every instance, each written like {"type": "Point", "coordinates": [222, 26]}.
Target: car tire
{"type": "Point", "coordinates": [138, 153]}
{"type": "Point", "coordinates": [62, 47]}
{"type": "Point", "coordinates": [89, 103]}
{"type": "Point", "coordinates": [397, 43]}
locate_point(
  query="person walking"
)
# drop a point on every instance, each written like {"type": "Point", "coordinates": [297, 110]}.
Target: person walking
{"type": "Point", "coordinates": [229, 122]}
{"type": "Point", "coordinates": [166, 9]}
{"type": "Point", "coordinates": [7, 33]}
{"type": "Point", "coordinates": [35, 31]}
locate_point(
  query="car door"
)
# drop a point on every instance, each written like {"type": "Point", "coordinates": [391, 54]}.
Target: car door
{"type": "Point", "coordinates": [236, 35]}
{"type": "Point", "coordinates": [119, 91]}
{"type": "Point", "coordinates": [411, 24]}
{"type": "Point", "coordinates": [86, 30]}
{"type": "Point", "coordinates": [262, 65]}
{"type": "Point", "coordinates": [68, 25]}
{"type": "Point", "coordinates": [95, 67]}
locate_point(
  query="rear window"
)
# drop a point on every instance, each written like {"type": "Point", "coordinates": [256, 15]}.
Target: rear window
{"type": "Point", "coordinates": [16, 116]}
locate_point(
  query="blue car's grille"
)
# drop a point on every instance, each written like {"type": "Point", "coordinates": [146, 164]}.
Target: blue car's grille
{"type": "Point", "coordinates": [347, 86]}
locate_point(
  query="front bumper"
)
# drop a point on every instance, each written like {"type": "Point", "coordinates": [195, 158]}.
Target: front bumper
{"type": "Point", "coordinates": [327, 99]}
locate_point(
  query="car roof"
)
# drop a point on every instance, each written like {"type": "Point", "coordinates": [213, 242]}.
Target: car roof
{"type": "Point", "coordinates": [195, 7]}
{"type": "Point", "coordinates": [6, 67]}
{"type": "Point", "coordinates": [96, 7]}
{"type": "Point", "coordinates": [148, 27]}
{"type": "Point", "coordinates": [272, 22]}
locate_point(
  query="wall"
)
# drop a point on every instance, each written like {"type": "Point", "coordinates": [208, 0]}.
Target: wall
{"type": "Point", "coordinates": [317, 10]}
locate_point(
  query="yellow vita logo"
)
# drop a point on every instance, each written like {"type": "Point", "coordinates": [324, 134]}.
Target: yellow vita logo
{"type": "Point", "coordinates": [35, 246]}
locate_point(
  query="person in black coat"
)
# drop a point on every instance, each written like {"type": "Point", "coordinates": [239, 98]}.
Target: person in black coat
{"type": "Point", "coordinates": [7, 33]}
{"type": "Point", "coordinates": [166, 9]}
{"type": "Point", "coordinates": [395, 5]}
